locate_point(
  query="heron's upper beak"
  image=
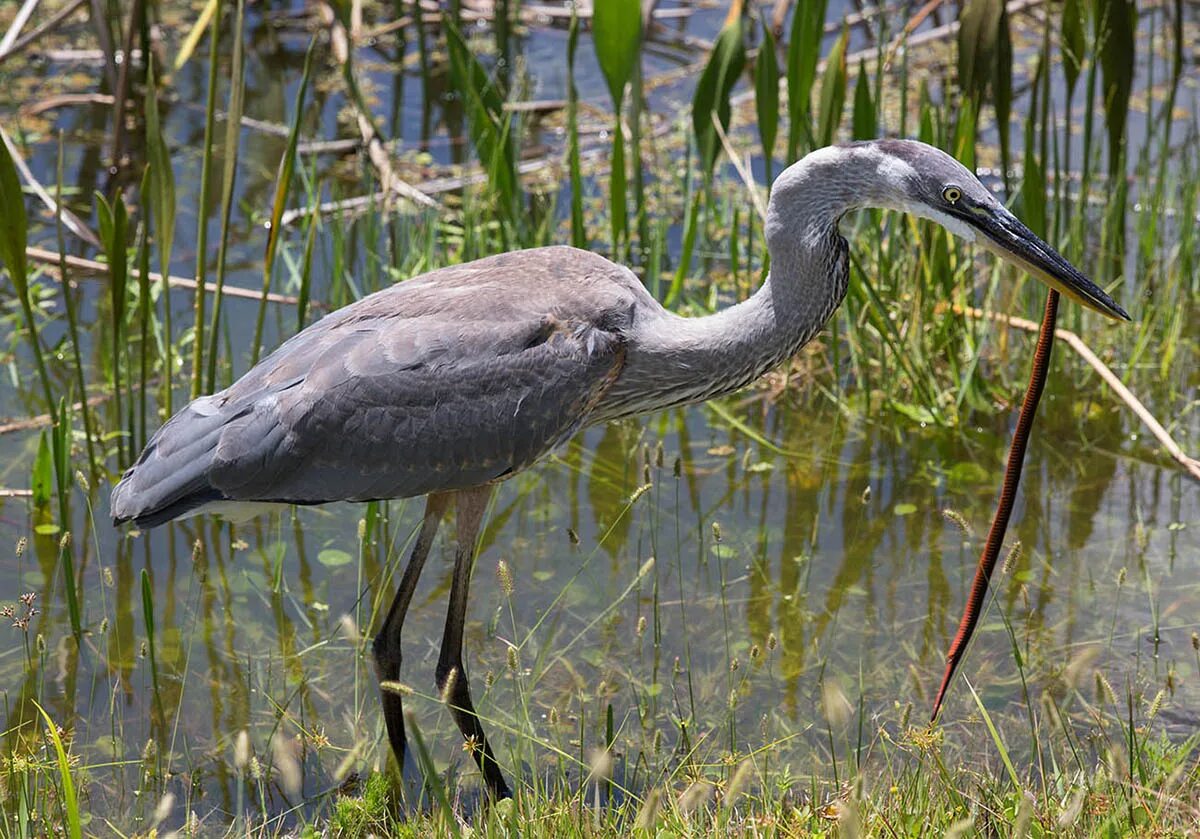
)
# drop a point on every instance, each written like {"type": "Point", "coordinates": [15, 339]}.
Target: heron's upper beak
{"type": "Point", "coordinates": [1004, 235]}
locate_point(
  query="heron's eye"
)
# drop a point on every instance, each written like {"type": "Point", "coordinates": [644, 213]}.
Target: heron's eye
{"type": "Point", "coordinates": [951, 194]}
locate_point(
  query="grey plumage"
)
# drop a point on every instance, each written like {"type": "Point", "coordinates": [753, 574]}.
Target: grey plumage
{"type": "Point", "coordinates": [440, 383]}
{"type": "Point", "coordinates": [451, 381]}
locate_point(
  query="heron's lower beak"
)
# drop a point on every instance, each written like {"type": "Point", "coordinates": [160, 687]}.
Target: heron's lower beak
{"type": "Point", "coordinates": [1004, 235]}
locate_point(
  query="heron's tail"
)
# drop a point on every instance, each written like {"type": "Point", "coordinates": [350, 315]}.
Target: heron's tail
{"type": "Point", "coordinates": [171, 477]}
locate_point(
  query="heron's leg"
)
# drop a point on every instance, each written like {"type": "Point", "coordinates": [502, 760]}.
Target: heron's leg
{"type": "Point", "coordinates": [386, 648]}
{"type": "Point", "coordinates": [451, 678]}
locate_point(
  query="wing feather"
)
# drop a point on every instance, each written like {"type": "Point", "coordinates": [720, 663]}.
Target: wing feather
{"type": "Point", "coordinates": [451, 380]}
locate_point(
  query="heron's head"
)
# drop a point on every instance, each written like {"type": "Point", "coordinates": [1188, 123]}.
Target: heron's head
{"type": "Point", "coordinates": [917, 178]}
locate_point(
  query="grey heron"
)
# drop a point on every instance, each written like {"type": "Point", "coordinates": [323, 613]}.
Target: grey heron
{"type": "Point", "coordinates": [446, 384]}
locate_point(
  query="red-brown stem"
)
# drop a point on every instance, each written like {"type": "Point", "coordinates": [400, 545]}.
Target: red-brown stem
{"type": "Point", "coordinates": [1008, 493]}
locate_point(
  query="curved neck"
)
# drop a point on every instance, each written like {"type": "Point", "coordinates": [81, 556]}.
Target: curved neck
{"type": "Point", "coordinates": [674, 360]}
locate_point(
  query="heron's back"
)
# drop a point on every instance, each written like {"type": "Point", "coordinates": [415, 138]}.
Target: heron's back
{"type": "Point", "coordinates": [449, 380]}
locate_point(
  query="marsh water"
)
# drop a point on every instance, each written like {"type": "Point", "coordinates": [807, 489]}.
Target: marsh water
{"type": "Point", "coordinates": [802, 552]}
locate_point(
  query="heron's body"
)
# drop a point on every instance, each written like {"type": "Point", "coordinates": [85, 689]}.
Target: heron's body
{"type": "Point", "coordinates": [449, 382]}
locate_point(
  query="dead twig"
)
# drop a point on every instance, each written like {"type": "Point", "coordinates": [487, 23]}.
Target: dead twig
{"type": "Point", "coordinates": [1189, 464]}
{"type": "Point", "coordinates": [22, 18]}
{"type": "Point", "coordinates": [41, 29]}
{"type": "Point", "coordinates": [44, 420]}
{"type": "Point", "coordinates": [377, 152]}
{"type": "Point", "coordinates": [92, 268]}
{"type": "Point", "coordinates": [71, 221]}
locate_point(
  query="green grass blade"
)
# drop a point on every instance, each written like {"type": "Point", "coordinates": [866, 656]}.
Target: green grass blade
{"type": "Point", "coordinates": [13, 226]}
{"type": "Point", "coordinates": [578, 231]}
{"type": "Point", "coordinates": [833, 91]}
{"type": "Point", "coordinates": [713, 89]}
{"type": "Point", "coordinates": [766, 96]}
{"type": "Point", "coordinates": [617, 36]}
{"type": "Point", "coordinates": [162, 200]}
{"type": "Point", "coordinates": [210, 109]}
{"type": "Point", "coordinates": [233, 130]}
{"type": "Point", "coordinates": [862, 123]}
{"type": "Point", "coordinates": [804, 52]}
{"type": "Point", "coordinates": [991, 727]}
{"type": "Point", "coordinates": [283, 182]}
{"type": "Point", "coordinates": [70, 802]}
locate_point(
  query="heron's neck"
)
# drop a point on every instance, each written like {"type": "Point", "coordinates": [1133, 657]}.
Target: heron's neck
{"type": "Point", "coordinates": [676, 360]}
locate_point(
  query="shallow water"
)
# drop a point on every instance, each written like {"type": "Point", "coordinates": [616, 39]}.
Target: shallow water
{"type": "Point", "coordinates": [836, 563]}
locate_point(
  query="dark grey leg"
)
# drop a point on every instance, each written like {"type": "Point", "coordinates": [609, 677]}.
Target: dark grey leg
{"type": "Point", "coordinates": [451, 677]}
{"type": "Point", "coordinates": [386, 648]}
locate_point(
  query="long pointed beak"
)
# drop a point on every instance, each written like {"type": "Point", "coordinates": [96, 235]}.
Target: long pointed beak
{"type": "Point", "coordinates": [1004, 235]}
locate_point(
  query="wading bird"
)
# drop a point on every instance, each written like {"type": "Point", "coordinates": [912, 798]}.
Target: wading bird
{"type": "Point", "coordinates": [448, 383]}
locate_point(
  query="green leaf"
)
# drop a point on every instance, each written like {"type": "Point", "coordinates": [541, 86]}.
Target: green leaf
{"type": "Point", "coordinates": [41, 479]}
{"type": "Point", "coordinates": [13, 222]}
{"type": "Point", "coordinates": [863, 122]}
{"type": "Point", "coordinates": [766, 93]}
{"type": "Point", "coordinates": [1033, 182]}
{"type": "Point", "coordinates": [1071, 36]}
{"type": "Point", "coordinates": [485, 118]}
{"type": "Point", "coordinates": [283, 183]}
{"type": "Point", "coordinates": [334, 558]}
{"type": "Point", "coordinates": [978, 32]}
{"type": "Point", "coordinates": [716, 83]}
{"type": "Point", "coordinates": [804, 52]}
{"type": "Point", "coordinates": [162, 177]}
{"type": "Point", "coordinates": [833, 91]}
{"type": "Point", "coordinates": [114, 222]}
{"type": "Point", "coordinates": [1116, 21]}
{"type": "Point", "coordinates": [905, 509]}
{"type": "Point", "coordinates": [617, 35]}
{"type": "Point", "coordinates": [1002, 87]}
{"type": "Point", "coordinates": [578, 230]}
{"type": "Point", "coordinates": [70, 803]}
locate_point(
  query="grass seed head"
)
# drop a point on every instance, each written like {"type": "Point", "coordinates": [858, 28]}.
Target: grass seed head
{"type": "Point", "coordinates": [641, 626]}
{"type": "Point", "coordinates": [241, 749]}
{"type": "Point", "coordinates": [600, 764]}
{"type": "Point", "coordinates": [959, 520]}
{"type": "Point", "coordinates": [694, 797]}
{"type": "Point", "coordinates": [772, 642]}
{"type": "Point", "coordinates": [504, 575]}
{"type": "Point", "coordinates": [21, 544]}
{"type": "Point", "coordinates": [82, 480]}
{"type": "Point", "coordinates": [648, 812]}
{"type": "Point", "coordinates": [449, 684]}
{"type": "Point", "coordinates": [349, 628]}
{"type": "Point", "coordinates": [165, 804]}
{"type": "Point", "coordinates": [1011, 559]}
{"type": "Point", "coordinates": [737, 782]}
{"type": "Point", "coordinates": [287, 765]}
{"type": "Point", "coordinates": [1155, 705]}
{"type": "Point", "coordinates": [834, 704]}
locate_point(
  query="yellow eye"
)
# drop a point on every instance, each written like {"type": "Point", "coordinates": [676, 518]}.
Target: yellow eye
{"type": "Point", "coordinates": [951, 194]}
